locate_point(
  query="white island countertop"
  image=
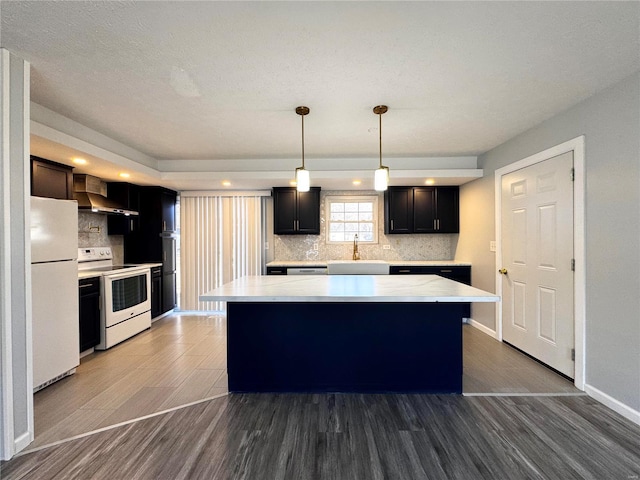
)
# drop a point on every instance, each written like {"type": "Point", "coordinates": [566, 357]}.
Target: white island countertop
{"type": "Point", "coordinates": [394, 263]}
{"type": "Point", "coordinates": [347, 288]}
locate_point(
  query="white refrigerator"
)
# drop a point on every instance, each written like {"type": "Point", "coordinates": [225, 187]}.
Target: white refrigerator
{"type": "Point", "coordinates": [54, 289]}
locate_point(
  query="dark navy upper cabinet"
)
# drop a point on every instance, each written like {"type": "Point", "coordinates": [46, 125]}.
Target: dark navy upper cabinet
{"type": "Point", "coordinates": [128, 196]}
{"type": "Point", "coordinates": [296, 213]}
{"type": "Point", "coordinates": [421, 210]}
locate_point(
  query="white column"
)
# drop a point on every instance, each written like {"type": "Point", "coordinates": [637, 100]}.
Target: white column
{"type": "Point", "coordinates": [16, 392]}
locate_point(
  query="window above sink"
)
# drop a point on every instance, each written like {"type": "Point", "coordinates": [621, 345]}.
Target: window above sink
{"type": "Point", "coordinates": [347, 216]}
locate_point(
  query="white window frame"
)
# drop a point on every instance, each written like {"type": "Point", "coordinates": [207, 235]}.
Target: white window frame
{"type": "Point", "coordinates": [329, 199]}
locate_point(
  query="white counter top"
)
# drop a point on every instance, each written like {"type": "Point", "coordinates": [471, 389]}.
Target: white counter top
{"type": "Point", "coordinates": [428, 263]}
{"type": "Point", "coordinates": [88, 274]}
{"type": "Point", "coordinates": [297, 263]}
{"type": "Point", "coordinates": [347, 288]}
{"type": "Point", "coordinates": [92, 273]}
{"type": "Point", "coordinates": [408, 263]}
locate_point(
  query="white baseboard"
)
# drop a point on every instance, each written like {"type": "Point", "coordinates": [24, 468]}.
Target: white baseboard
{"type": "Point", "coordinates": [22, 442]}
{"type": "Point", "coordinates": [155, 319]}
{"type": "Point", "coordinates": [615, 405]}
{"type": "Point", "coordinates": [481, 327]}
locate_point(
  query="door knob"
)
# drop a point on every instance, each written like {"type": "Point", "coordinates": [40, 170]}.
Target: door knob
{"type": "Point", "coordinates": [503, 271]}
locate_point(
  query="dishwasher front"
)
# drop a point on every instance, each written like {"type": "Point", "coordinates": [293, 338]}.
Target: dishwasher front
{"type": "Point", "coordinates": [307, 271]}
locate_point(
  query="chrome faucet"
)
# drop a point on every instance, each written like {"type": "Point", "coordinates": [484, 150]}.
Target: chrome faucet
{"type": "Point", "coordinates": [356, 254]}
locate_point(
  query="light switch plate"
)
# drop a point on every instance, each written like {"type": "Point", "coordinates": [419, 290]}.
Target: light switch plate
{"type": "Point", "coordinates": [386, 247]}
{"type": "Point", "coordinates": [315, 247]}
{"type": "Point", "coordinates": [492, 246]}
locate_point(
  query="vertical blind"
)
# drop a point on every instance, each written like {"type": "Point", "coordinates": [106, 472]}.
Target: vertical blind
{"type": "Point", "coordinates": [221, 240]}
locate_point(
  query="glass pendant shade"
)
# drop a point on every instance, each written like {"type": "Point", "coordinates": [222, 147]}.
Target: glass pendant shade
{"type": "Point", "coordinates": [303, 182]}
{"type": "Point", "coordinates": [381, 179]}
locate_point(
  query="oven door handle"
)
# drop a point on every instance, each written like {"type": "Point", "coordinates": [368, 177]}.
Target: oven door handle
{"type": "Point", "coordinates": [131, 272]}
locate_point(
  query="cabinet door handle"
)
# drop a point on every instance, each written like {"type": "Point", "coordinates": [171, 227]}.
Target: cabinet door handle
{"type": "Point", "coordinates": [435, 225]}
{"type": "Point", "coordinates": [86, 285]}
{"type": "Point", "coordinates": [164, 225]}
{"type": "Point", "coordinates": [391, 224]}
{"type": "Point", "coordinates": [438, 224]}
{"type": "Point", "coordinates": [131, 224]}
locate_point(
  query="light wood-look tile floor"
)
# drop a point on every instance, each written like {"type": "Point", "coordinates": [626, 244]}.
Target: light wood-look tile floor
{"type": "Point", "coordinates": [182, 359]}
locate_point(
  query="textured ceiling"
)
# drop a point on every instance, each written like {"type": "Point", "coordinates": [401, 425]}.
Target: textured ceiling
{"type": "Point", "coordinates": [220, 80]}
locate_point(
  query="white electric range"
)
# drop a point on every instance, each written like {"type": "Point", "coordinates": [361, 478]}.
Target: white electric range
{"type": "Point", "coordinates": [125, 295]}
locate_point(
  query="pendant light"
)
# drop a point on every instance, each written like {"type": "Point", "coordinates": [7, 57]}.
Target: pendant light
{"type": "Point", "coordinates": [303, 181]}
{"type": "Point", "coordinates": [381, 179]}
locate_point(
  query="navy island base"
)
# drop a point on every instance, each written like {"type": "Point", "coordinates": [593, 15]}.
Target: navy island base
{"type": "Point", "coordinates": [345, 347]}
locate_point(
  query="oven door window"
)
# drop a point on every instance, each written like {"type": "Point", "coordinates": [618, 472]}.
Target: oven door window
{"type": "Point", "coordinates": [128, 292]}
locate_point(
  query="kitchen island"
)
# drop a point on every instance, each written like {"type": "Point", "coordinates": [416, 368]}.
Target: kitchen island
{"type": "Point", "coordinates": [345, 333]}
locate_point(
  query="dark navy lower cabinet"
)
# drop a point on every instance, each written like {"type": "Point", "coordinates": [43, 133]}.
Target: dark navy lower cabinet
{"type": "Point", "coordinates": [459, 273]}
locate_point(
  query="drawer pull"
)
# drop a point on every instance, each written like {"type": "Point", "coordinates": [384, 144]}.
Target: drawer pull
{"type": "Point", "coordinates": [86, 285]}
{"type": "Point", "coordinates": [406, 270]}
{"type": "Point", "coordinates": [446, 271]}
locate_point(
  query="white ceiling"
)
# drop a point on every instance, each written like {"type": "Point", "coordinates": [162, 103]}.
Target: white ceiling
{"type": "Point", "coordinates": [201, 87]}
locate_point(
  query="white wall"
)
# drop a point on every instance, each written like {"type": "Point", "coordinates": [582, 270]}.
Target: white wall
{"type": "Point", "coordinates": [16, 399]}
{"type": "Point", "coordinates": [610, 122]}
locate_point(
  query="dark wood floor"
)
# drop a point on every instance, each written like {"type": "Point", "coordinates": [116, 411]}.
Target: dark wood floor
{"type": "Point", "coordinates": [350, 436]}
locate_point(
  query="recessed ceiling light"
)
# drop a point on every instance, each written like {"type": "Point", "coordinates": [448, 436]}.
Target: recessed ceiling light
{"type": "Point", "coordinates": [429, 181]}
{"type": "Point", "coordinates": [79, 161]}
{"type": "Point", "coordinates": [124, 175]}
{"type": "Point", "coordinates": [226, 183]}
{"type": "Point", "coordinates": [357, 182]}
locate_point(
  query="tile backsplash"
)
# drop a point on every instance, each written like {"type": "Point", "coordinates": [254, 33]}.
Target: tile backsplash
{"type": "Point", "coordinates": [401, 247]}
{"type": "Point", "coordinates": [92, 232]}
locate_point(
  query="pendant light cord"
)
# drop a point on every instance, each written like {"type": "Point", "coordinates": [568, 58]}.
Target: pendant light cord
{"type": "Point", "coordinates": [302, 117]}
{"type": "Point", "coordinates": [380, 132]}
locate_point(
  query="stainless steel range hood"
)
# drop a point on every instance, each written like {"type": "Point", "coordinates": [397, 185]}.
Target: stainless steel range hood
{"type": "Point", "coordinates": [91, 194]}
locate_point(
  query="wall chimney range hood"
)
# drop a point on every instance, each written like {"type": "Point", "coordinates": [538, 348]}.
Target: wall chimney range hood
{"type": "Point", "coordinates": [91, 194]}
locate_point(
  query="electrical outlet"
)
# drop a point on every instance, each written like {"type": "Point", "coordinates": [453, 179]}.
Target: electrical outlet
{"type": "Point", "coordinates": [386, 247]}
{"type": "Point", "coordinates": [492, 246]}
{"type": "Point", "coordinates": [315, 247]}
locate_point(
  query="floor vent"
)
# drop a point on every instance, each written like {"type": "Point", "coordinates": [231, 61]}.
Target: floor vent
{"type": "Point", "coordinates": [54, 380]}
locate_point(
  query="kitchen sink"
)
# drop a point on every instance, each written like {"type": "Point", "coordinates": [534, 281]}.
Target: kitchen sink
{"type": "Point", "coordinates": [357, 267]}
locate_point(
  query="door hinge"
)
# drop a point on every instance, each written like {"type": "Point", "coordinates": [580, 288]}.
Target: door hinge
{"type": "Point", "coordinates": [573, 174]}
{"type": "Point", "coordinates": [573, 264]}
{"type": "Point", "coordinates": [573, 354]}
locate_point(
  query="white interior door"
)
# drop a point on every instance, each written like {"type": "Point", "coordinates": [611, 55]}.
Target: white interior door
{"type": "Point", "coordinates": [537, 254]}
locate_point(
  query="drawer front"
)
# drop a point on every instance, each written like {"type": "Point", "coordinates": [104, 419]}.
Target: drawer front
{"type": "Point", "coordinates": [460, 274]}
{"type": "Point", "coordinates": [276, 270]}
{"type": "Point", "coordinates": [89, 285]}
